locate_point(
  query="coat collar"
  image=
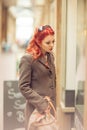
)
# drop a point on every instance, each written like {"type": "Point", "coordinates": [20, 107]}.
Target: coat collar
{"type": "Point", "coordinates": [43, 61]}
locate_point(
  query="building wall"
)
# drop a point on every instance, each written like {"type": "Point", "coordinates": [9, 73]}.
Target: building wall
{"type": "Point", "coordinates": [0, 23]}
{"type": "Point", "coordinates": [11, 28]}
{"type": "Point", "coordinates": [65, 65]}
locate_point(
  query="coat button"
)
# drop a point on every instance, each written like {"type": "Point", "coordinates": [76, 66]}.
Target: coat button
{"type": "Point", "coordinates": [51, 87]}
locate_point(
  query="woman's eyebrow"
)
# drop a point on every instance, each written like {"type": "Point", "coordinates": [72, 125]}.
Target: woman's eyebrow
{"type": "Point", "coordinates": [48, 41]}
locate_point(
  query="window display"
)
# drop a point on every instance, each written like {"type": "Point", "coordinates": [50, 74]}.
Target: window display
{"type": "Point", "coordinates": [80, 62]}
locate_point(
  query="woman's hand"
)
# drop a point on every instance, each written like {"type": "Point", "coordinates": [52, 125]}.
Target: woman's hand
{"type": "Point", "coordinates": [47, 111]}
{"type": "Point", "coordinates": [49, 107]}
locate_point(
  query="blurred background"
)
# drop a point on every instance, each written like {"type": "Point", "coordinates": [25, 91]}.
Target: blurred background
{"type": "Point", "coordinates": [18, 18]}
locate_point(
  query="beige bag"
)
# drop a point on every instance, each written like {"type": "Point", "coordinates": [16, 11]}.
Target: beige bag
{"type": "Point", "coordinates": [44, 122]}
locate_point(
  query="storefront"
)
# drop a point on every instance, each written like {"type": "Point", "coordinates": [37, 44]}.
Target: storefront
{"type": "Point", "coordinates": [73, 89]}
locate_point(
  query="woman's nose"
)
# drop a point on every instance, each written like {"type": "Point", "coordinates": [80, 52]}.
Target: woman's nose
{"type": "Point", "coordinates": [52, 44]}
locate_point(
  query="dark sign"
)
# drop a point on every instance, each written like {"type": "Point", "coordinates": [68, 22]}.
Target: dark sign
{"type": "Point", "coordinates": [14, 104]}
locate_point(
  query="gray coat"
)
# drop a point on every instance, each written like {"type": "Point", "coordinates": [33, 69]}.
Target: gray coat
{"type": "Point", "coordinates": [36, 80]}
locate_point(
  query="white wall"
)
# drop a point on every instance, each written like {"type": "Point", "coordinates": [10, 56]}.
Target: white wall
{"type": "Point", "coordinates": [71, 44]}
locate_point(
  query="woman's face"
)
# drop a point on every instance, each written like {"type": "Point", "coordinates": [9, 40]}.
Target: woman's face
{"type": "Point", "coordinates": [47, 44]}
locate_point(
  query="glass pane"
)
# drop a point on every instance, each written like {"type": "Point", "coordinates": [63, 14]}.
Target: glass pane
{"type": "Point", "coordinates": [80, 55]}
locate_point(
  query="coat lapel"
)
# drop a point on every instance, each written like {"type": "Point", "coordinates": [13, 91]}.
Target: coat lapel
{"type": "Point", "coordinates": [43, 61]}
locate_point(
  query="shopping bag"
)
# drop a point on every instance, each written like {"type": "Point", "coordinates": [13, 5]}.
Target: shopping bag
{"type": "Point", "coordinates": [44, 122]}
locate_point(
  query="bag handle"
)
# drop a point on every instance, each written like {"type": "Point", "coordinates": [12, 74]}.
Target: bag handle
{"type": "Point", "coordinates": [55, 117]}
{"type": "Point", "coordinates": [36, 123]}
{"type": "Point", "coordinates": [52, 106]}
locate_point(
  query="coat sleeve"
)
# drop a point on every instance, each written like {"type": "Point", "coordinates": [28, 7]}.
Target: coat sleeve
{"type": "Point", "coordinates": [25, 84]}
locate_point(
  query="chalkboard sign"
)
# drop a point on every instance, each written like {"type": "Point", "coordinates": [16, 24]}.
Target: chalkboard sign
{"type": "Point", "coordinates": [14, 104]}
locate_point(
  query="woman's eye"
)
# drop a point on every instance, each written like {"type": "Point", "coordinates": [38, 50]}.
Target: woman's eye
{"type": "Point", "coordinates": [47, 42]}
{"type": "Point", "coordinates": [53, 41]}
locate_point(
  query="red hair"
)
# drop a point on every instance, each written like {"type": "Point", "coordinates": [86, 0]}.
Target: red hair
{"type": "Point", "coordinates": [39, 34]}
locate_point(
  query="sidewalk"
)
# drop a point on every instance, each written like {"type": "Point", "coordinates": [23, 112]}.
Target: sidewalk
{"type": "Point", "coordinates": [7, 72]}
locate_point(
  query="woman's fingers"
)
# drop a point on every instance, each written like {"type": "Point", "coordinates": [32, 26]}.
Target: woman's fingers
{"type": "Point", "coordinates": [48, 109]}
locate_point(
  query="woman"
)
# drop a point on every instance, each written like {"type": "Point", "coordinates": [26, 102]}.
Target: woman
{"type": "Point", "coordinates": [37, 72]}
